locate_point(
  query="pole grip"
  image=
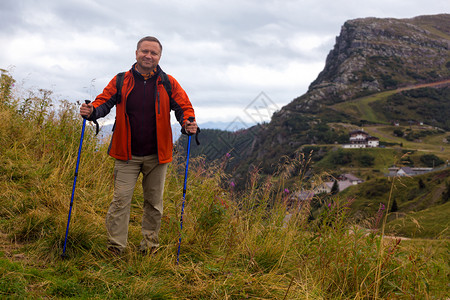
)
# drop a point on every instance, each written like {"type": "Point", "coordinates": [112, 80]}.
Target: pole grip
{"type": "Point", "coordinates": [192, 119]}
{"type": "Point", "coordinates": [97, 127]}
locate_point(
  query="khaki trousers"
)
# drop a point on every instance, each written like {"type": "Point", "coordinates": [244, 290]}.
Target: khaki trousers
{"type": "Point", "coordinates": [126, 174]}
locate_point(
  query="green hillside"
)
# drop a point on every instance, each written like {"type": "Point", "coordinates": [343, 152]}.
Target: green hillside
{"type": "Point", "coordinates": [421, 203]}
{"type": "Point", "coordinates": [432, 221]}
{"type": "Point", "coordinates": [423, 104]}
{"type": "Point", "coordinates": [235, 245]}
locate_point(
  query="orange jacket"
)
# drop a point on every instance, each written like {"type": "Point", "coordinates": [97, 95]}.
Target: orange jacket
{"type": "Point", "coordinates": [120, 146]}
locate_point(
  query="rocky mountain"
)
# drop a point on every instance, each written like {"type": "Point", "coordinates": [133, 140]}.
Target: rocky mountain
{"type": "Point", "coordinates": [372, 57]}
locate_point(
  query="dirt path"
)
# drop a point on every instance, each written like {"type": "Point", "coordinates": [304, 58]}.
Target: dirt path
{"type": "Point", "coordinates": [422, 85]}
{"type": "Point", "coordinates": [369, 231]}
{"type": "Point", "coordinates": [378, 133]}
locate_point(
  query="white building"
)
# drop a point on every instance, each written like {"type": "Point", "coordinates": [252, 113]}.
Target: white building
{"type": "Point", "coordinates": [351, 178]}
{"type": "Point", "coordinates": [408, 171]}
{"type": "Point", "coordinates": [344, 181]}
{"type": "Point", "coordinates": [361, 139]}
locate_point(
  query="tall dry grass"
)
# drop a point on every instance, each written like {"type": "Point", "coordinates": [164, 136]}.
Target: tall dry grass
{"type": "Point", "coordinates": [234, 246]}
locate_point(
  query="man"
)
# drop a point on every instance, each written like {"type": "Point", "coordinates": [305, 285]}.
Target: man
{"type": "Point", "coordinates": [141, 141]}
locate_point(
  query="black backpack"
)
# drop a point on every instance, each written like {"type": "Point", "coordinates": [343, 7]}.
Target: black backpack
{"type": "Point", "coordinates": [119, 83]}
{"type": "Point", "coordinates": [166, 83]}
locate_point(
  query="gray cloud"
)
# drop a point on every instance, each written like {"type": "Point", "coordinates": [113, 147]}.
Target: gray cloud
{"type": "Point", "coordinates": [224, 53]}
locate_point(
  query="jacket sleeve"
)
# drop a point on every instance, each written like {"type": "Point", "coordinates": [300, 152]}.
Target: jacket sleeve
{"type": "Point", "coordinates": [180, 102]}
{"type": "Point", "coordinates": [105, 101]}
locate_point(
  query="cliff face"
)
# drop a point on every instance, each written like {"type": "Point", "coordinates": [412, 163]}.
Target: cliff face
{"type": "Point", "coordinates": [372, 55]}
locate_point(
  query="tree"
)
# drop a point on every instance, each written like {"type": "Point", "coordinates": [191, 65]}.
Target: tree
{"type": "Point", "coordinates": [394, 206]}
{"type": "Point", "coordinates": [446, 194]}
{"type": "Point", "coordinates": [366, 160]}
{"type": "Point", "coordinates": [341, 158]}
{"type": "Point", "coordinates": [421, 184]}
{"type": "Point", "coordinates": [431, 160]}
{"type": "Point", "coordinates": [335, 188]}
{"type": "Point", "coordinates": [398, 132]}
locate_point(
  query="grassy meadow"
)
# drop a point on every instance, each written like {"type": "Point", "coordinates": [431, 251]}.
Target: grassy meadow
{"type": "Point", "coordinates": [234, 245]}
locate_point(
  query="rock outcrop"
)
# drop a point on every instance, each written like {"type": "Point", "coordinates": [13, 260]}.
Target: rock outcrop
{"type": "Point", "coordinates": [372, 55]}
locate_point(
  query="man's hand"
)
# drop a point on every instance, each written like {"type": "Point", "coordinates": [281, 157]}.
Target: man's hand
{"type": "Point", "coordinates": [190, 127]}
{"type": "Point", "coordinates": [86, 110]}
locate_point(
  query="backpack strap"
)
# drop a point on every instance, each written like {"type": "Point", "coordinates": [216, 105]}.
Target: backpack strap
{"type": "Point", "coordinates": [166, 83]}
{"type": "Point", "coordinates": [119, 83]}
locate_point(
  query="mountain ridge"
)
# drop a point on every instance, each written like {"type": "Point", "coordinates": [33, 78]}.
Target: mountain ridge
{"type": "Point", "coordinates": [372, 55]}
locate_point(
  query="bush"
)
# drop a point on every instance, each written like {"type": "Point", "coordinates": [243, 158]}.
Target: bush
{"type": "Point", "coordinates": [6, 85]}
{"type": "Point", "coordinates": [341, 157]}
{"type": "Point", "coordinates": [421, 184]}
{"type": "Point", "coordinates": [446, 194]}
{"type": "Point", "coordinates": [366, 160]}
{"type": "Point", "coordinates": [431, 160]}
{"type": "Point", "coordinates": [378, 188]}
{"type": "Point", "coordinates": [388, 81]}
{"type": "Point", "coordinates": [398, 132]}
{"type": "Point", "coordinates": [394, 206]}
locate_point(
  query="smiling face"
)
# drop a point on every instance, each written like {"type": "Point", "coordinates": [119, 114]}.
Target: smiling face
{"type": "Point", "coordinates": [147, 56]}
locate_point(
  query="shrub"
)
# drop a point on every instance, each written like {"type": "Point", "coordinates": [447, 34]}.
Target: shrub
{"type": "Point", "coordinates": [341, 157]}
{"type": "Point", "coordinates": [398, 132]}
{"type": "Point", "coordinates": [431, 160]}
{"type": "Point", "coordinates": [366, 160]}
{"type": "Point", "coordinates": [446, 193]}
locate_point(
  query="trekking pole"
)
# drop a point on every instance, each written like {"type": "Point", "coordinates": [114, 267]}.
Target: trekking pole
{"type": "Point", "coordinates": [63, 255]}
{"type": "Point", "coordinates": [191, 119]}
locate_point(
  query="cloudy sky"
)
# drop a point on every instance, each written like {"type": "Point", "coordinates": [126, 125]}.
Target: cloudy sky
{"type": "Point", "coordinates": [231, 56]}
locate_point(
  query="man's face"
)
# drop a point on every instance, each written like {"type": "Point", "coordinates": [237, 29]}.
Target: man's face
{"type": "Point", "coordinates": [148, 56]}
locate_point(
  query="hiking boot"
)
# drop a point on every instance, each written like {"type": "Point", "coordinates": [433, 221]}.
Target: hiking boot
{"type": "Point", "coordinates": [113, 251]}
{"type": "Point", "coordinates": [148, 251]}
